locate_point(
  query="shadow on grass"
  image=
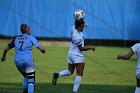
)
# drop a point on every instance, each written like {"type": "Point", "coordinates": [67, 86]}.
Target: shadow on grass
{"type": "Point", "coordinates": [67, 88]}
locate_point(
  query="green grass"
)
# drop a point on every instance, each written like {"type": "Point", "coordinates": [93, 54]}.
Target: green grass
{"type": "Point", "coordinates": [103, 72]}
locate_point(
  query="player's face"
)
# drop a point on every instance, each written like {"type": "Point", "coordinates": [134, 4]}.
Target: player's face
{"type": "Point", "coordinates": [28, 29]}
{"type": "Point", "coordinates": [81, 27]}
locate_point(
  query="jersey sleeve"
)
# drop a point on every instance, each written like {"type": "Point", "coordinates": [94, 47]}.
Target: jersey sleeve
{"type": "Point", "coordinates": [35, 42]}
{"type": "Point", "coordinates": [135, 47]}
{"type": "Point", "coordinates": [11, 44]}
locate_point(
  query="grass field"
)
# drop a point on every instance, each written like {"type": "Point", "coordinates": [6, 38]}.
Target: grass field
{"type": "Point", "coordinates": [103, 72]}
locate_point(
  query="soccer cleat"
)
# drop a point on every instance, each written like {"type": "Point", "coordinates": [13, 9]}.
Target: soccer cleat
{"type": "Point", "coordinates": [25, 90]}
{"type": "Point", "coordinates": [55, 77]}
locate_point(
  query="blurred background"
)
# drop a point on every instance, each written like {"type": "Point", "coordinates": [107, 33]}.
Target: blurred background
{"type": "Point", "coordinates": [110, 22]}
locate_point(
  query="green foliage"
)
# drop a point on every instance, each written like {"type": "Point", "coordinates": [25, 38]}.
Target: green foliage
{"type": "Point", "coordinates": [103, 72]}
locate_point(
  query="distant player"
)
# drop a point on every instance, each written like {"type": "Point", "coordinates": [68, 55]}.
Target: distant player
{"type": "Point", "coordinates": [75, 55]}
{"type": "Point", "coordinates": [134, 49]}
{"type": "Point", "coordinates": [23, 56]}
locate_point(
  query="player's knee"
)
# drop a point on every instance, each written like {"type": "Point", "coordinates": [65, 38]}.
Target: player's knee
{"type": "Point", "coordinates": [69, 72]}
{"type": "Point", "coordinates": [30, 74]}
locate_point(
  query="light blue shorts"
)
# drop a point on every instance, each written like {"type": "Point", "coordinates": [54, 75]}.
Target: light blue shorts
{"type": "Point", "coordinates": [25, 66]}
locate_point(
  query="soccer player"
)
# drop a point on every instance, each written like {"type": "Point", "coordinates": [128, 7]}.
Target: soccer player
{"type": "Point", "coordinates": [134, 49]}
{"type": "Point", "coordinates": [23, 56]}
{"type": "Point", "coordinates": [75, 55]}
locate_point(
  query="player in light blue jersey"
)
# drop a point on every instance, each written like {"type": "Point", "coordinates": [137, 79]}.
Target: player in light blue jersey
{"type": "Point", "coordinates": [75, 55]}
{"type": "Point", "coordinates": [23, 56]}
{"type": "Point", "coordinates": [134, 49]}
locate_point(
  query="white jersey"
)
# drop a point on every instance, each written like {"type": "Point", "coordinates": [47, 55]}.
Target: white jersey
{"type": "Point", "coordinates": [76, 39]}
{"type": "Point", "coordinates": [136, 49]}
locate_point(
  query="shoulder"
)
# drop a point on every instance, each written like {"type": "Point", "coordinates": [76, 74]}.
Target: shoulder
{"type": "Point", "coordinates": [73, 27]}
{"type": "Point", "coordinates": [31, 36]}
{"type": "Point", "coordinates": [135, 47]}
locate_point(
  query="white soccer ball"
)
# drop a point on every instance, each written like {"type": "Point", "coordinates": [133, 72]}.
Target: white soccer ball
{"type": "Point", "coordinates": [79, 14]}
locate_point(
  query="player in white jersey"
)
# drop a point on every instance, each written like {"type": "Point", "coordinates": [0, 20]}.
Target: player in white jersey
{"type": "Point", "coordinates": [134, 49]}
{"type": "Point", "coordinates": [75, 55]}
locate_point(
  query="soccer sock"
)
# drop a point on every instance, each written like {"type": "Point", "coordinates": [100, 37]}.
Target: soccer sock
{"type": "Point", "coordinates": [25, 85]}
{"type": "Point", "coordinates": [137, 90]}
{"type": "Point", "coordinates": [77, 83]}
{"type": "Point", "coordinates": [65, 73]}
{"type": "Point", "coordinates": [31, 85]}
{"type": "Point", "coordinates": [31, 88]}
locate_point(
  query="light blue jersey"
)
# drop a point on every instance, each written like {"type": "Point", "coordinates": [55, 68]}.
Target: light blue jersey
{"type": "Point", "coordinates": [23, 58]}
{"type": "Point", "coordinates": [23, 46]}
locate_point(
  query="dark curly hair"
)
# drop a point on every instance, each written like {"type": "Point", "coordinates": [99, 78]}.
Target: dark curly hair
{"type": "Point", "coordinates": [79, 22]}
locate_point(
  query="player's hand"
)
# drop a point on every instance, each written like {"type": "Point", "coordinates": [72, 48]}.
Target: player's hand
{"type": "Point", "coordinates": [93, 48]}
{"type": "Point", "coordinates": [3, 59]}
{"type": "Point", "coordinates": [118, 56]}
{"type": "Point", "coordinates": [85, 25]}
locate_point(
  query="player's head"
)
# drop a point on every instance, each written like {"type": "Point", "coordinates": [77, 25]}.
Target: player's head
{"type": "Point", "coordinates": [79, 25]}
{"type": "Point", "coordinates": [25, 29]}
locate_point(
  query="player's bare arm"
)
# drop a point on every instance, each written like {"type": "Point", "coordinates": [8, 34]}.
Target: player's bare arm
{"type": "Point", "coordinates": [85, 48]}
{"type": "Point", "coordinates": [126, 56]}
{"type": "Point", "coordinates": [41, 49]}
{"type": "Point", "coordinates": [3, 58]}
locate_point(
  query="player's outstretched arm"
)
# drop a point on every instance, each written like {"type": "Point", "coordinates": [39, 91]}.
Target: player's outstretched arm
{"type": "Point", "coordinates": [126, 56]}
{"type": "Point", "coordinates": [41, 49]}
{"type": "Point", "coordinates": [85, 48]}
{"type": "Point", "coordinates": [3, 58]}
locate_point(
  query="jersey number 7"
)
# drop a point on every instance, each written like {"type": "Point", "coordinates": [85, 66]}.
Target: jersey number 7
{"type": "Point", "coordinates": [21, 44]}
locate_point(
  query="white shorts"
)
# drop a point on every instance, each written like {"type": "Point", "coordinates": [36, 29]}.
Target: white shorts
{"type": "Point", "coordinates": [74, 59]}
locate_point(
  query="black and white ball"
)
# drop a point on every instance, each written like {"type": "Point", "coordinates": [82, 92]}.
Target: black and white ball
{"type": "Point", "coordinates": [79, 14]}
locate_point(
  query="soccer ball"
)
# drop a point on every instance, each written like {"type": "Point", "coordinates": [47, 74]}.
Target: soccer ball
{"type": "Point", "coordinates": [79, 14]}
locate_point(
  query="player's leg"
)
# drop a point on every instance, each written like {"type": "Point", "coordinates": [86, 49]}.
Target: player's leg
{"type": "Point", "coordinates": [25, 85]}
{"type": "Point", "coordinates": [67, 72]}
{"type": "Point", "coordinates": [30, 72]}
{"type": "Point", "coordinates": [78, 78]}
{"type": "Point", "coordinates": [138, 85]}
{"type": "Point", "coordinates": [20, 66]}
{"type": "Point", "coordinates": [25, 82]}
